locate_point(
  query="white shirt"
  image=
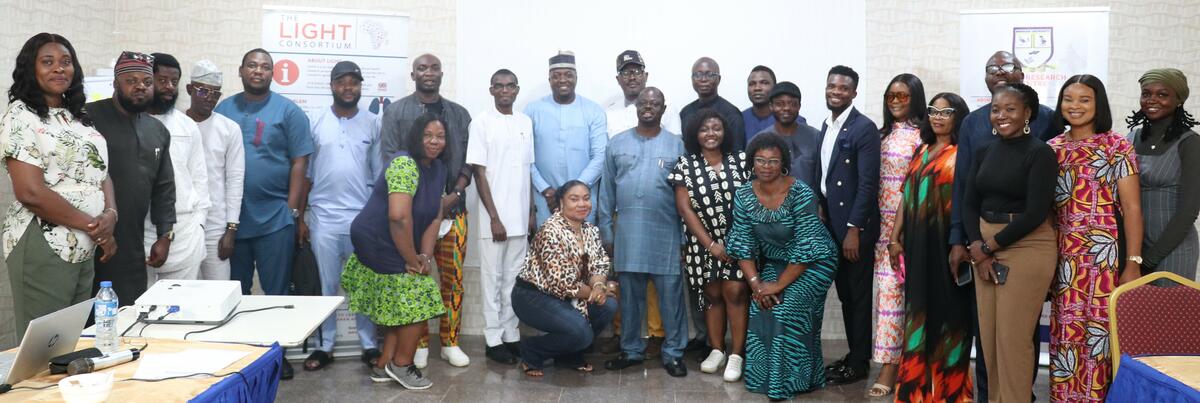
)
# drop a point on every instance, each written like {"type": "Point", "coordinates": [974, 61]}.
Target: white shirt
{"type": "Point", "coordinates": [832, 130]}
{"type": "Point", "coordinates": [504, 145]}
{"type": "Point", "coordinates": [623, 117]}
{"type": "Point", "coordinates": [226, 171]}
{"type": "Point", "coordinates": [187, 160]}
{"type": "Point", "coordinates": [343, 167]}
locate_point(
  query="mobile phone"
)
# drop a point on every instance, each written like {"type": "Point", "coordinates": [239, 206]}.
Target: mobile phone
{"type": "Point", "coordinates": [965, 274]}
{"type": "Point", "coordinates": [1001, 272]}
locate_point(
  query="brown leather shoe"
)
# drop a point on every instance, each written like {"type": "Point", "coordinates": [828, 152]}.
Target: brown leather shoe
{"type": "Point", "coordinates": [611, 345]}
{"type": "Point", "coordinates": [653, 347]}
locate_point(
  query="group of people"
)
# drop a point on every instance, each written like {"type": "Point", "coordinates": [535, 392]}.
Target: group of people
{"type": "Point", "coordinates": [592, 216]}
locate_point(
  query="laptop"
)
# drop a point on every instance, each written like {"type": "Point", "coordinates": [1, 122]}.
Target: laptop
{"type": "Point", "coordinates": [46, 337]}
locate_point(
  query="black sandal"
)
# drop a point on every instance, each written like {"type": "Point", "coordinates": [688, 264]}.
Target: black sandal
{"type": "Point", "coordinates": [317, 360]}
{"type": "Point", "coordinates": [370, 357]}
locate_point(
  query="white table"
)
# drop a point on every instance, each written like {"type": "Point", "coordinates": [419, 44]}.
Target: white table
{"type": "Point", "coordinates": [288, 327]}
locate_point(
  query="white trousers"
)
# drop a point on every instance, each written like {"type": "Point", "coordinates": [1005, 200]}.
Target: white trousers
{"type": "Point", "coordinates": [212, 267]}
{"type": "Point", "coordinates": [185, 254]}
{"type": "Point", "coordinates": [499, 263]}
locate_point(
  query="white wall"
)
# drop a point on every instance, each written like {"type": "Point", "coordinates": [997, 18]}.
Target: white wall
{"type": "Point", "coordinates": [799, 40]}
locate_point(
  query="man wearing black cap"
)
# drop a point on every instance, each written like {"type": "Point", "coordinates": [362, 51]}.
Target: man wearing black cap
{"type": "Point", "coordinates": [139, 164]}
{"type": "Point", "coordinates": [706, 77]}
{"type": "Point", "coordinates": [622, 115]}
{"type": "Point", "coordinates": [632, 77]}
{"type": "Point", "coordinates": [758, 116]}
{"type": "Point", "coordinates": [344, 163]}
{"type": "Point", "coordinates": [191, 178]}
{"type": "Point", "coordinates": [802, 139]}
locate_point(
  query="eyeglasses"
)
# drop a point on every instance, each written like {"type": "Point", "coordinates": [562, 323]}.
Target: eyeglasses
{"type": "Point", "coordinates": [509, 86]}
{"type": "Point", "coordinates": [767, 162]}
{"type": "Point", "coordinates": [205, 93]}
{"type": "Point", "coordinates": [631, 73]}
{"type": "Point", "coordinates": [935, 112]}
{"type": "Point", "coordinates": [711, 75]}
{"type": "Point", "coordinates": [1006, 67]}
{"type": "Point", "coordinates": [896, 96]}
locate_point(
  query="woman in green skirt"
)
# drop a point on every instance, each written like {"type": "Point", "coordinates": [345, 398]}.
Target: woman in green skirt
{"type": "Point", "coordinates": [788, 259]}
{"type": "Point", "coordinates": [387, 277]}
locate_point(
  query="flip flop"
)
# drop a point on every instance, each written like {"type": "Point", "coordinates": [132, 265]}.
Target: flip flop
{"type": "Point", "coordinates": [530, 371]}
{"type": "Point", "coordinates": [317, 360]}
{"type": "Point", "coordinates": [879, 390]}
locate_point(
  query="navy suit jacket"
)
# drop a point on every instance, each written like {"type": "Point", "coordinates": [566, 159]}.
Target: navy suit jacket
{"type": "Point", "coordinates": [852, 184]}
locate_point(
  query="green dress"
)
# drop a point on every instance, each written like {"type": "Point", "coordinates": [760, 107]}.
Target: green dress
{"type": "Point", "coordinates": [783, 345]}
{"type": "Point", "coordinates": [388, 296]}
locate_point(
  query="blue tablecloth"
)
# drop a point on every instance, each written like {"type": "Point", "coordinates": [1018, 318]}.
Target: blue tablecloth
{"type": "Point", "coordinates": [258, 383]}
{"type": "Point", "coordinates": [1138, 382]}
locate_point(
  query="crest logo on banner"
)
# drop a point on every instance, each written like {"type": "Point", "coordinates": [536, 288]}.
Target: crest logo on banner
{"type": "Point", "coordinates": [1034, 46]}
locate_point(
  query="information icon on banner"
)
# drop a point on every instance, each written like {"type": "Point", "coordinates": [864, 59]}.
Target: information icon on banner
{"type": "Point", "coordinates": [286, 72]}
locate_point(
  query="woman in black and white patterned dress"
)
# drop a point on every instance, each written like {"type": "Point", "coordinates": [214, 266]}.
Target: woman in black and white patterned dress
{"type": "Point", "coordinates": [705, 179]}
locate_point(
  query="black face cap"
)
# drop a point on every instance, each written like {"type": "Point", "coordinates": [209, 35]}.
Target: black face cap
{"type": "Point", "coordinates": [629, 57]}
{"type": "Point", "coordinates": [345, 67]}
{"type": "Point", "coordinates": [784, 88]}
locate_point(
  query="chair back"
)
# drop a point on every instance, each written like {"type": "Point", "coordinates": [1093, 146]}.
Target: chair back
{"type": "Point", "coordinates": [1147, 319]}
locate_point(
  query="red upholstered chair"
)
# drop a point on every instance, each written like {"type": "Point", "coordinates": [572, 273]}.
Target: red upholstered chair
{"type": "Point", "coordinates": [1145, 319]}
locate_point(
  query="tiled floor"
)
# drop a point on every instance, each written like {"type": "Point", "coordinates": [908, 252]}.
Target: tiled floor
{"type": "Point", "coordinates": [487, 382]}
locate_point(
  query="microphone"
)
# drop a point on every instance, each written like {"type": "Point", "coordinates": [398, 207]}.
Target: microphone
{"type": "Point", "coordinates": [89, 365]}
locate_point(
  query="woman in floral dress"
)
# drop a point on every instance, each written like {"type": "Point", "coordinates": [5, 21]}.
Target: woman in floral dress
{"type": "Point", "coordinates": [1098, 205]}
{"type": "Point", "coordinates": [903, 112]}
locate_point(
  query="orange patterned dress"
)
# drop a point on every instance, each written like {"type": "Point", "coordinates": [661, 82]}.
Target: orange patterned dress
{"type": "Point", "coordinates": [1089, 262]}
{"type": "Point", "coordinates": [896, 152]}
{"type": "Point", "coordinates": [936, 362]}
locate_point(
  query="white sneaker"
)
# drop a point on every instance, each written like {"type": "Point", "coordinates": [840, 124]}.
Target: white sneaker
{"type": "Point", "coordinates": [715, 359]}
{"type": "Point", "coordinates": [733, 369]}
{"type": "Point", "coordinates": [421, 358]}
{"type": "Point", "coordinates": [455, 356]}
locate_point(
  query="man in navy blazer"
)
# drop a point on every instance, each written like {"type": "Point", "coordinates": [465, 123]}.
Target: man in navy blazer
{"type": "Point", "coordinates": [850, 188]}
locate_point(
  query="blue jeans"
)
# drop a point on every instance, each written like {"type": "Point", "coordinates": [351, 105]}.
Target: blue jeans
{"type": "Point", "coordinates": [331, 251]}
{"type": "Point", "coordinates": [272, 254]}
{"type": "Point", "coordinates": [671, 306]}
{"type": "Point", "coordinates": [568, 332]}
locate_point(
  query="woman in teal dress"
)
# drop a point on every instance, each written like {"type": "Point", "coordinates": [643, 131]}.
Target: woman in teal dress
{"type": "Point", "coordinates": [789, 259]}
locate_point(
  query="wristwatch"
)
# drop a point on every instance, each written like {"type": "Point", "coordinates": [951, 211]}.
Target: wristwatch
{"type": "Point", "coordinates": [1136, 259]}
{"type": "Point", "coordinates": [986, 249]}
{"type": "Point", "coordinates": [170, 235]}
{"type": "Point", "coordinates": [295, 213]}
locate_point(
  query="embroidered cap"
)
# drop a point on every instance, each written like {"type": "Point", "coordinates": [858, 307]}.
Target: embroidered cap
{"type": "Point", "coordinates": [565, 59]}
{"type": "Point", "coordinates": [207, 72]}
{"type": "Point", "coordinates": [134, 62]}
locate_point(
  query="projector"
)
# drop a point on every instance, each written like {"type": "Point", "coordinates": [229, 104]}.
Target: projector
{"type": "Point", "coordinates": [190, 301]}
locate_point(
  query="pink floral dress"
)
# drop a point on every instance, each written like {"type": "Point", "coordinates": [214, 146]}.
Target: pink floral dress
{"type": "Point", "coordinates": [896, 152]}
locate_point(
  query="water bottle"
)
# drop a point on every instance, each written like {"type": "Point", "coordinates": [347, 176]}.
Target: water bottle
{"type": "Point", "coordinates": [106, 319]}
